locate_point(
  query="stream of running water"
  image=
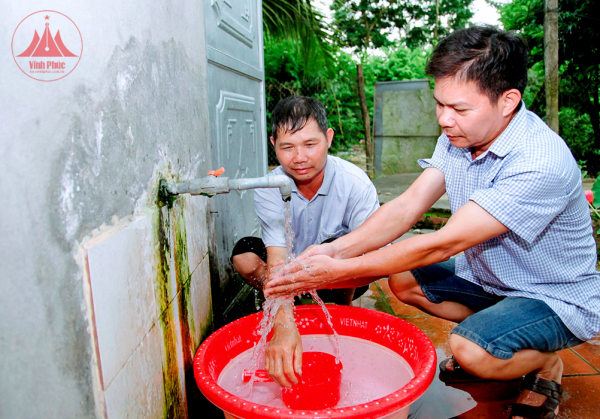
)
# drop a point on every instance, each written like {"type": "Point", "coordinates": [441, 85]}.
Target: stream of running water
{"type": "Point", "coordinates": [272, 305]}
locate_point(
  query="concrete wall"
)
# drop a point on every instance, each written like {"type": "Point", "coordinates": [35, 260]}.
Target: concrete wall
{"type": "Point", "coordinates": [81, 159]}
{"type": "Point", "coordinates": [410, 130]}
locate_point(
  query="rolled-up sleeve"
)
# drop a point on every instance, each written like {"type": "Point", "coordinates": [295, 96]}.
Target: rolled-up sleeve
{"type": "Point", "coordinates": [270, 210]}
{"type": "Point", "coordinates": [439, 158]}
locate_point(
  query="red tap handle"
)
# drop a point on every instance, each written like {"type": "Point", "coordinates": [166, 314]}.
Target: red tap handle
{"type": "Point", "coordinates": [217, 173]}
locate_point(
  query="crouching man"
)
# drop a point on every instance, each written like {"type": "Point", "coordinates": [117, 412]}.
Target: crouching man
{"type": "Point", "coordinates": [526, 285]}
{"type": "Point", "coordinates": [330, 198]}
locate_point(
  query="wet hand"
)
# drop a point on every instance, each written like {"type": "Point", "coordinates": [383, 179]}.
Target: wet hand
{"type": "Point", "coordinates": [272, 269]}
{"type": "Point", "coordinates": [300, 276]}
{"type": "Point", "coordinates": [283, 356]}
{"type": "Point", "coordinates": [317, 249]}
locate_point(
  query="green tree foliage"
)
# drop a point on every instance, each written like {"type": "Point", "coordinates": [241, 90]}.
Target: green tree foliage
{"type": "Point", "coordinates": [286, 74]}
{"type": "Point", "coordinates": [453, 14]}
{"type": "Point", "coordinates": [366, 24]}
{"type": "Point", "coordinates": [579, 38]}
{"type": "Point", "coordinates": [579, 25]}
{"type": "Point", "coordinates": [297, 20]}
{"type": "Point", "coordinates": [362, 24]}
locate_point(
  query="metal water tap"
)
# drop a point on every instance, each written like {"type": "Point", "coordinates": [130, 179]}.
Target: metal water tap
{"type": "Point", "coordinates": [212, 185]}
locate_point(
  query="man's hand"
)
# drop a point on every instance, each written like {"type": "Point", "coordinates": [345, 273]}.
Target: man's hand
{"type": "Point", "coordinates": [317, 249]}
{"type": "Point", "coordinates": [299, 276]}
{"type": "Point", "coordinates": [283, 357]}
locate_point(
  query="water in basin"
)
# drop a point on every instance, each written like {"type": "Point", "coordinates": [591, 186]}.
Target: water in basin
{"type": "Point", "coordinates": [371, 371]}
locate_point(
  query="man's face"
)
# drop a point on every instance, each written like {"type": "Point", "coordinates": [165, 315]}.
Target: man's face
{"type": "Point", "coordinates": [303, 154]}
{"type": "Point", "coordinates": [467, 116]}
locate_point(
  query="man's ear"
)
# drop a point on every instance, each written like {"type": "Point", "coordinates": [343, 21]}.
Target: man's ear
{"type": "Point", "coordinates": [510, 101]}
{"type": "Point", "coordinates": [273, 141]}
{"type": "Point", "coordinates": [329, 136]}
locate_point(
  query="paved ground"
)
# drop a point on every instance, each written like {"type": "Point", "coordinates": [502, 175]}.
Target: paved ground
{"type": "Point", "coordinates": [581, 380]}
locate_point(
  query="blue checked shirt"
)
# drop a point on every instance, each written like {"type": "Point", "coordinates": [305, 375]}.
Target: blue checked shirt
{"type": "Point", "coordinates": [529, 181]}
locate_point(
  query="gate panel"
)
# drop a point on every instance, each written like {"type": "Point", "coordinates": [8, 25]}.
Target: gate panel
{"type": "Point", "coordinates": [236, 104]}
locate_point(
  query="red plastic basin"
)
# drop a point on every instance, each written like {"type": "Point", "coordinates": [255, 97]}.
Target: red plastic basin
{"type": "Point", "coordinates": [399, 336]}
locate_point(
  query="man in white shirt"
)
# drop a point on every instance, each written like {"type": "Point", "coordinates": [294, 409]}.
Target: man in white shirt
{"type": "Point", "coordinates": [330, 198]}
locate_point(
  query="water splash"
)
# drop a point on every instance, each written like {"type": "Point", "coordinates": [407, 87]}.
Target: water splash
{"type": "Point", "coordinates": [270, 308]}
{"type": "Point", "coordinates": [336, 337]}
{"type": "Point", "coordinates": [289, 234]}
{"type": "Point", "coordinates": [272, 305]}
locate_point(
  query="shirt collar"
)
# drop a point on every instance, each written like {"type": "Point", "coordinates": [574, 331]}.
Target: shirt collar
{"type": "Point", "coordinates": [508, 140]}
{"type": "Point", "coordinates": [327, 178]}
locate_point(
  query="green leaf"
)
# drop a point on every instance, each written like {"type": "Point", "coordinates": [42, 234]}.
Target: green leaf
{"type": "Point", "coordinates": [298, 20]}
{"type": "Point", "coordinates": [596, 190]}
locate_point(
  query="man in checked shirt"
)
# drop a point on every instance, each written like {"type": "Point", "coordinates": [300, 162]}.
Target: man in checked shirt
{"type": "Point", "coordinates": [526, 285]}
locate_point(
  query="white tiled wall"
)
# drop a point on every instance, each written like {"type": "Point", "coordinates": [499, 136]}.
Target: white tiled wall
{"type": "Point", "coordinates": [122, 270]}
{"type": "Point", "coordinates": [137, 391]}
{"type": "Point", "coordinates": [196, 229]}
{"type": "Point", "coordinates": [202, 308]}
{"type": "Point", "coordinates": [122, 273]}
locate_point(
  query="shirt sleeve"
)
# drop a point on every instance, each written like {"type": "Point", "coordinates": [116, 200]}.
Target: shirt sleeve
{"type": "Point", "coordinates": [440, 154]}
{"type": "Point", "coordinates": [364, 206]}
{"type": "Point", "coordinates": [525, 201]}
{"type": "Point", "coordinates": [270, 210]}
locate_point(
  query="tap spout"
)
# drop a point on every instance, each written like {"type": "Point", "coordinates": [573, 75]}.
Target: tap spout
{"type": "Point", "coordinates": [282, 182]}
{"type": "Point", "coordinates": [211, 185]}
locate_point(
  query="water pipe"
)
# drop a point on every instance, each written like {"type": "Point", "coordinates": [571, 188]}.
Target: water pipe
{"type": "Point", "coordinates": [211, 185]}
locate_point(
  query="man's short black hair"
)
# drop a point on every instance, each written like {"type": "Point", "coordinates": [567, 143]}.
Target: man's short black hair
{"type": "Point", "coordinates": [495, 60]}
{"type": "Point", "coordinates": [293, 113]}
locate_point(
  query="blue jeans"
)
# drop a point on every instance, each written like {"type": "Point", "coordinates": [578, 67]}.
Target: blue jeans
{"type": "Point", "coordinates": [500, 325]}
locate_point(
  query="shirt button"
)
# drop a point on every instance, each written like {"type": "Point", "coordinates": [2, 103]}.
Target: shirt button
{"type": "Point", "coordinates": [309, 220]}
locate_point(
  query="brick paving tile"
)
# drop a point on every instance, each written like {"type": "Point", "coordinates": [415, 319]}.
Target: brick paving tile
{"type": "Point", "coordinates": [574, 365]}
{"type": "Point", "coordinates": [581, 398]}
{"type": "Point", "coordinates": [493, 398]}
{"type": "Point", "coordinates": [437, 330]}
{"type": "Point", "coordinates": [591, 352]}
{"type": "Point", "coordinates": [399, 308]}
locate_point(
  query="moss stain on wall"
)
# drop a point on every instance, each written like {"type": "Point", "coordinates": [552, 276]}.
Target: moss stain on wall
{"type": "Point", "coordinates": [172, 254]}
{"type": "Point", "coordinates": [183, 276]}
{"type": "Point", "coordinates": [174, 400]}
